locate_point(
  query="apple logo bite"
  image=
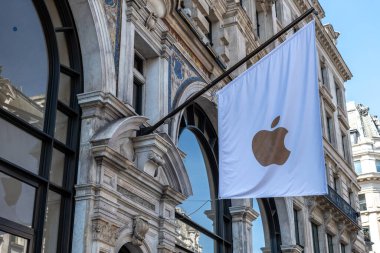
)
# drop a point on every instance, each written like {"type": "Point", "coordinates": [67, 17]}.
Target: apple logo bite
{"type": "Point", "coordinates": [268, 146]}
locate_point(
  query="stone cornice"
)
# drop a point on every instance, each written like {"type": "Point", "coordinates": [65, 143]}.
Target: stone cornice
{"type": "Point", "coordinates": [103, 105]}
{"type": "Point", "coordinates": [367, 177]}
{"type": "Point", "coordinates": [326, 43]}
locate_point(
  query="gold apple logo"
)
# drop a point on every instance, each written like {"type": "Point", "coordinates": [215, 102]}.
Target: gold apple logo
{"type": "Point", "coordinates": [268, 146]}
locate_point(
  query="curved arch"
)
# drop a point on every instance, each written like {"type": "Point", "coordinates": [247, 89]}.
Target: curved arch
{"type": "Point", "coordinates": [96, 46]}
{"type": "Point", "coordinates": [117, 135]}
{"type": "Point", "coordinates": [130, 248]}
{"type": "Point", "coordinates": [176, 172]}
{"type": "Point", "coordinates": [273, 224]}
{"type": "Point", "coordinates": [125, 239]}
{"type": "Point", "coordinates": [196, 120]}
{"type": "Point", "coordinates": [188, 88]}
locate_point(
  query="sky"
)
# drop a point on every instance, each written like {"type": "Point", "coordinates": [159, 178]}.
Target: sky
{"type": "Point", "coordinates": [358, 23]}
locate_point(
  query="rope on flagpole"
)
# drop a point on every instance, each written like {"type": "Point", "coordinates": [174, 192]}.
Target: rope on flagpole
{"type": "Point", "coordinates": [150, 129]}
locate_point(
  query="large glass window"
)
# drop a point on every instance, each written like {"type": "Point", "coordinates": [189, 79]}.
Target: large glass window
{"type": "Point", "coordinates": [22, 42]}
{"type": "Point", "coordinates": [12, 244]}
{"type": "Point", "coordinates": [40, 76]}
{"type": "Point", "coordinates": [204, 222]}
{"type": "Point", "coordinates": [16, 200]}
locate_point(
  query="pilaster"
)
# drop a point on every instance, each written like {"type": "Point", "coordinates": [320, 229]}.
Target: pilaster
{"type": "Point", "coordinates": [242, 218]}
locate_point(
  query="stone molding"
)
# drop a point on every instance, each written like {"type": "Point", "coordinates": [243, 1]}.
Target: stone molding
{"type": "Point", "coordinates": [103, 105]}
{"type": "Point", "coordinates": [243, 213]}
{"type": "Point", "coordinates": [118, 135]}
{"type": "Point", "coordinates": [291, 249]}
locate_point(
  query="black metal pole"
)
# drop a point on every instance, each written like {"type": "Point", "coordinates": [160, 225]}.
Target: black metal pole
{"type": "Point", "coordinates": [148, 130]}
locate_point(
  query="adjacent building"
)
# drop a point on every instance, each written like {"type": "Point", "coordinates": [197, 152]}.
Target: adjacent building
{"type": "Point", "coordinates": [365, 140]}
{"type": "Point", "coordinates": [80, 78]}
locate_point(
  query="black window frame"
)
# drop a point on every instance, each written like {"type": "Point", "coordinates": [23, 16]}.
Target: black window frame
{"type": "Point", "coordinates": [40, 181]}
{"type": "Point", "coordinates": [342, 248]}
{"type": "Point", "coordinates": [196, 120]}
{"type": "Point", "coordinates": [138, 82]}
{"type": "Point", "coordinates": [362, 202]}
{"type": "Point", "coordinates": [330, 244]}
{"type": "Point", "coordinates": [296, 226]}
{"type": "Point", "coordinates": [315, 237]}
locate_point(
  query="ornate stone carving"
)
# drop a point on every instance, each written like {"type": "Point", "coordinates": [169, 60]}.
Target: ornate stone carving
{"type": "Point", "coordinates": [140, 228]}
{"type": "Point", "coordinates": [327, 217]}
{"type": "Point", "coordinates": [151, 21]}
{"type": "Point", "coordinates": [363, 110]}
{"type": "Point", "coordinates": [341, 227]}
{"type": "Point", "coordinates": [104, 231]}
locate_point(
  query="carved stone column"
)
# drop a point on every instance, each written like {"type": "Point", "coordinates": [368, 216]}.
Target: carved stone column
{"type": "Point", "coordinates": [242, 217]}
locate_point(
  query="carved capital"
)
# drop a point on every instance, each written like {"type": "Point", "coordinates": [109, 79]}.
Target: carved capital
{"type": "Point", "coordinates": [140, 228]}
{"type": "Point", "coordinates": [311, 204]}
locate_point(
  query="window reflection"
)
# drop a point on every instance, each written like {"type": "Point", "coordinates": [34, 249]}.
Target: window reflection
{"type": "Point", "coordinates": [16, 200]}
{"type": "Point", "coordinates": [51, 222]}
{"type": "Point", "coordinates": [258, 239]}
{"type": "Point", "coordinates": [28, 147]}
{"type": "Point", "coordinates": [199, 207]}
{"type": "Point", "coordinates": [11, 243]}
{"type": "Point", "coordinates": [23, 62]}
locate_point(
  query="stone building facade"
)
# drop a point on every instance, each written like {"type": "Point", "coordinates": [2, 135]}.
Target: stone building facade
{"type": "Point", "coordinates": [76, 176]}
{"type": "Point", "coordinates": [365, 140]}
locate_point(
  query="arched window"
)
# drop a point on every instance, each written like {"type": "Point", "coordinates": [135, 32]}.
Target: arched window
{"type": "Point", "coordinates": [267, 222]}
{"type": "Point", "coordinates": [40, 75]}
{"type": "Point", "coordinates": [204, 222]}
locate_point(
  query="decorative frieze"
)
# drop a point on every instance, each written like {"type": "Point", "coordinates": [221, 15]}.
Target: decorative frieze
{"type": "Point", "coordinates": [135, 198]}
{"type": "Point", "coordinates": [104, 231]}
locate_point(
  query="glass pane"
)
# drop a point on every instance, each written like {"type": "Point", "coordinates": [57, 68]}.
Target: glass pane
{"type": "Point", "coordinates": [51, 222]}
{"type": "Point", "coordinates": [57, 167]}
{"type": "Point", "coordinates": [64, 89]}
{"type": "Point", "coordinates": [193, 240]}
{"type": "Point", "coordinates": [258, 240]}
{"type": "Point", "coordinates": [62, 49]}
{"type": "Point", "coordinates": [28, 148]}
{"type": "Point", "coordinates": [13, 244]}
{"type": "Point", "coordinates": [52, 8]}
{"type": "Point", "coordinates": [23, 83]}
{"type": "Point", "coordinates": [198, 207]}
{"type": "Point", "coordinates": [16, 200]}
{"type": "Point", "coordinates": [61, 127]}
{"type": "Point", "coordinates": [358, 167]}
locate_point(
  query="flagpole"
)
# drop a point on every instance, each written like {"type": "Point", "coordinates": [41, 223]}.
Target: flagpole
{"type": "Point", "coordinates": [150, 129]}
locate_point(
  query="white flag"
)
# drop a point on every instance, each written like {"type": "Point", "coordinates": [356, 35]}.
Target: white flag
{"type": "Point", "coordinates": [269, 124]}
